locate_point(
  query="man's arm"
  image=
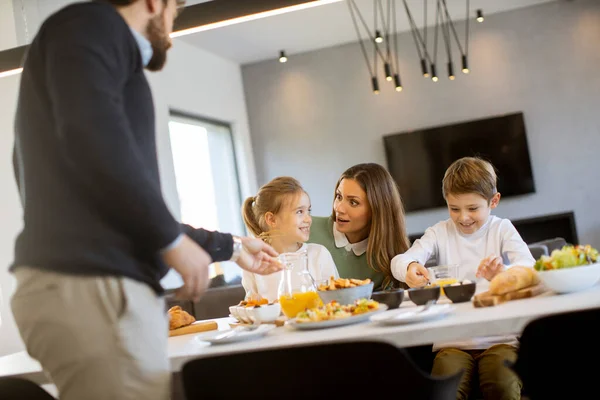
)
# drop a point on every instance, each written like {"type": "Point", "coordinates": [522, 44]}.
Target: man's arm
{"type": "Point", "coordinates": [218, 245]}
{"type": "Point", "coordinates": [85, 77]}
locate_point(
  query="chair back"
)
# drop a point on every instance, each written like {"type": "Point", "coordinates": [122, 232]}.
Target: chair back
{"type": "Point", "coordinates": [555, 353]}
{"type": "Point", "coordinates": [344, 369]}
{"type": "Point", "coordinates": [538, 250]}
{"type": "Point", "coordinates": [20, 389]}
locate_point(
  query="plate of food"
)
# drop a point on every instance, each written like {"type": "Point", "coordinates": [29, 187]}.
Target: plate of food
{"type": "Point", "coordinates": [413, 315]}
{"type": "Point", "coordinates": [334, 314]}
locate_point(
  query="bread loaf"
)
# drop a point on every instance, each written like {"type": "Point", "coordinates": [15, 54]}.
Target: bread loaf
{"type": "Point", "coordinates": [514, 278]}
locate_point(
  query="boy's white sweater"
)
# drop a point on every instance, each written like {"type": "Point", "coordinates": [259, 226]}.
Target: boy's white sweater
{"type": "Point", "coordinates": [448, 245]}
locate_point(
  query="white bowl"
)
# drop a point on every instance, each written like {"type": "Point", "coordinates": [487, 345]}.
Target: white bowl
{"type": "Point", "coordinates": [264, 313]}
{"type": "Point", "coordinates": [568, 280]}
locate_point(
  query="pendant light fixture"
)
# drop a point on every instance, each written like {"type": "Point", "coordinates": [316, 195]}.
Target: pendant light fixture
{"type": "Point", "coordinates": [480, 15]}
{"type": "Point", "coordinates": [385, 25]}
{"type": "Point", "coordinates": [282, 57]}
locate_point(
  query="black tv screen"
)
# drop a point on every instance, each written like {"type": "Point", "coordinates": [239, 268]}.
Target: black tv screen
{"type": "Point", "coordinates": [418, 159]}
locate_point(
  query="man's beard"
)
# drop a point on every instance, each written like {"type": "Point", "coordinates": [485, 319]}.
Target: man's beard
{"type": "Point", "coordinates": [160, 41]}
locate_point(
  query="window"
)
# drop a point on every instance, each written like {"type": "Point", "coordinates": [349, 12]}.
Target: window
{"type": "Point", "coordinates": [207, 179]}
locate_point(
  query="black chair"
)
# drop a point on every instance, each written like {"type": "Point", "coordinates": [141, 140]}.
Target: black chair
{"type": "Point", "coordinates": [555, 355]}
{"type": "Point", "coordinates": [348, 369]}
{"type": "Point", "coordinates": [21, 389]}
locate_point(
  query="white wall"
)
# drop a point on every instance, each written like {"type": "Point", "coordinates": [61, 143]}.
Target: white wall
{"type": "Point", "coordinates": [195, 82]}
{"type": "Point", "coordinates": [315, 116]}
{"type": "Point", "coordinates": [204, 85]}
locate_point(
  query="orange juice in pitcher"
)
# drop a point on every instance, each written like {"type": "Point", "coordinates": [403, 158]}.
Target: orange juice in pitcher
{"type": "Point", "coordinates": [297, 289]}
{"type": "Point", "coordinates": [292, 304]}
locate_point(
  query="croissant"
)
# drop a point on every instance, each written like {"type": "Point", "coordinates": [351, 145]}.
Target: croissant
{"type": "Point", "coordinates": [513, 279]}
{"type": "Point", "coordinates": [179, 318]}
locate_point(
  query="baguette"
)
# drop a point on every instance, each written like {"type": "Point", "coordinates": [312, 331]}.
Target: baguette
{"type": "Point", "coordinates": [514, 278]}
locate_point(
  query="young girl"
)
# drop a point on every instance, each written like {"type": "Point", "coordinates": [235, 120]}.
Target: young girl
{"type": "Point", "coordinates": [280, 215]}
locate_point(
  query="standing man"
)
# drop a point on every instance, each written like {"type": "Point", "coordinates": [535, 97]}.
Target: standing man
{"type": "Point", "coordinates": [97, 234]}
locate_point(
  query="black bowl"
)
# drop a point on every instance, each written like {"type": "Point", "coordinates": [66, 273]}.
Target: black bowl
{"type": "Point", "coordinates": [393, 298]}
{"type": "Point", "coordinates": [420, 296]}
{"type": "Point", "coordinates": [460, 293]}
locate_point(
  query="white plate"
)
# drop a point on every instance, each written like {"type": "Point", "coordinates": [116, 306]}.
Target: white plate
{"type": "Point", "coordinates": [212, 337]}
{"type": "Point", "coordinates": [336, 322]}
{"type": "Point", "coordinates": [412, 315]}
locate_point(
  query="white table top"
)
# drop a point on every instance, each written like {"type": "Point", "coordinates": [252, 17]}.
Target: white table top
{"type": "Point", "coordinates": [465, 322]}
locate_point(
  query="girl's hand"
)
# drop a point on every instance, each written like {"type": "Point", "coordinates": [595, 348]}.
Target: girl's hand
{"type": "Point", "coordinates": [416, 275]}
{"type": "Point", "coordinates": [489, 267]}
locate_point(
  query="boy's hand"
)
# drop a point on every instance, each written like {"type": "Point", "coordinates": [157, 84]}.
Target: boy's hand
{"type": "Point", "coordinates": [489, 267]}
{"type": "Point", "coordinates": [416, 275]}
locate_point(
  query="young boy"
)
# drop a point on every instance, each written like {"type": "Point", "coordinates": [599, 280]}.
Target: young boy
{"type": "Point", "coordinates": [483, 245]}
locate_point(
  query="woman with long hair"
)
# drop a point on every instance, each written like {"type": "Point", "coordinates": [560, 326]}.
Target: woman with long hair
{"type": "Point", "coordinates": [366, 228]}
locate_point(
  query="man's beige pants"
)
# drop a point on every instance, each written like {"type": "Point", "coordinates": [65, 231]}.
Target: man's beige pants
{"type": "Point", "coordinates": [98, 338]}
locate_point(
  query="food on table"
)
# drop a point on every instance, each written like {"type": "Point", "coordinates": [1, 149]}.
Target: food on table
{"type": "Point", "coordinates": [253, 303]}
{"type": "Point", "coordinates": [179, 318]}
{"type": "Point", "coordinates": [458, 283]}
{"type": "Point", "coordinates": [342, 283]}
{"type": "Point", "coordinates": [253, 300]}
{"type": "Point", "coordinates": [443, 282]}
{"type": "Point", "coordinates": [513, 279]}
{"type": "Point", "coordinates": [334, 310]}
{"type": "Point", "coordinates": [292, 304]}
{"type": "Point", "coordinates": [568, 257]}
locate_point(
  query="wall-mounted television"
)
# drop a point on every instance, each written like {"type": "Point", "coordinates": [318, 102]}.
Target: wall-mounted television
{"type": "Point", "coordinates": [418, 159]}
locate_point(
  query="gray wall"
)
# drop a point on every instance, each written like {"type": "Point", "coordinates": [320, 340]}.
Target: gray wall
{"type": "Point", "coordinates": [315, 116]}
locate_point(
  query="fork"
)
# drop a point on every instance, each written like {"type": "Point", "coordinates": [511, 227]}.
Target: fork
{"type": "Point", "coordinates": [427, 306]}
{"type": "Point", "coordinates": [242, 328]}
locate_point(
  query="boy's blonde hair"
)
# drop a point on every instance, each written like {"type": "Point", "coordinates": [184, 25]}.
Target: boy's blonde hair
{"type": "Point", "coordinates": [470, 175]}
{"type": "Point", "coordinates": [271, 197]}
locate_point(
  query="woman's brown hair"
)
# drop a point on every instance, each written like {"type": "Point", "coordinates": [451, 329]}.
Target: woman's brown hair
{"type": "Point", "coordinates": [387, 237]}
{"type": "Point", "coordinates": [271, 198]}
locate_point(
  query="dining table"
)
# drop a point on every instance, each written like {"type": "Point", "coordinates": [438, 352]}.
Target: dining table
{"type": "Point", "coordinates": [463, 322]}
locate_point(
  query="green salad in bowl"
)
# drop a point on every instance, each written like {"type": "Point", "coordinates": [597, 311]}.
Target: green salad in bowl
{"type": "Point", "coordinates": [568, 257]}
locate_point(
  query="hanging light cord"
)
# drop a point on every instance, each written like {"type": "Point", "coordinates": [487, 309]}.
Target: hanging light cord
{"type": "Point", "coordinates": [360, 41]}
{"type": "Point", "coordinates": [425, 22]}
{"type": "Point", "coordinates": [375, 46]}
{"type": "Point", "coordinates": [397, 69]}
{"type": "Point", "coordinates": [364, 23]}
{"type": "Point", "coordinates": [467, 30]}
{"type": "Point", "coordinates": [435, 38]}
{"type": "Point", "coordinates": [446, 32]}
{"type": "Point", "coordinates": [386, 27]}
{"type": "Point", "coordinates": [451, 25]}
{"type": "Point", "coordinates": [416, 33]}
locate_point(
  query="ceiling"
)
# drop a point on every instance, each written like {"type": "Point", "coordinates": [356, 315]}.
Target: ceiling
{"type": "Point", "coordinates": [321, 27]}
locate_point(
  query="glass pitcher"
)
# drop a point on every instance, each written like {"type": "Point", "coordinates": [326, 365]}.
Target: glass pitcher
{"type": "Point", "coordinates": [297, 289]}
